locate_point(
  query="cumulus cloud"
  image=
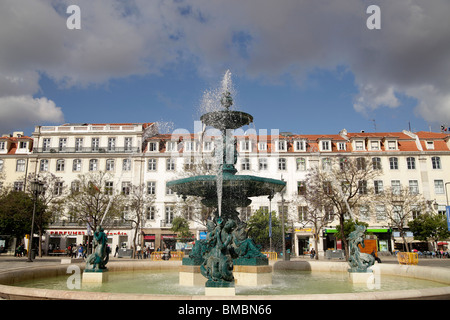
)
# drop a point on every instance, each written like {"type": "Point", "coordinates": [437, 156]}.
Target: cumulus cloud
{"type": "Point", "coordinates": [261, 39]}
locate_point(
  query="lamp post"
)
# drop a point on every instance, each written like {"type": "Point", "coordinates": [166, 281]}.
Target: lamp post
{"type": "Point", "coordinates": [36, 189]}
{"type": "Point", "coordinates": [282, 221]}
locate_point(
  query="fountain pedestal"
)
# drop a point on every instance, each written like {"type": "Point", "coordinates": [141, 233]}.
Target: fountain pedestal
{"type": "Point", "coordinates": [252, 275]}
{"type": "Point", "coordinates": [361, 277]}
{"type": "Point", "coordinates": [95, 277]}
{"type": "Point", "coordinates": [191, 276]}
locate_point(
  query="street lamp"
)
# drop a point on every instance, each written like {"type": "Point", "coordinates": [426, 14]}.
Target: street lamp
{"type": "Point", "coordinates": [36, 189]}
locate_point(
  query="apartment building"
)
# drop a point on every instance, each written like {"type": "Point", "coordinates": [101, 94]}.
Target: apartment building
{"type": "Point", "coordinates": [138, 154]}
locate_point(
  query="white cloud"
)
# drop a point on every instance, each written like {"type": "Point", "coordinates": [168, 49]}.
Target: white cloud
{"type": "Point", "coordinates": [262, 39]}
{"type": "Point", "coordinates": [25, 111]}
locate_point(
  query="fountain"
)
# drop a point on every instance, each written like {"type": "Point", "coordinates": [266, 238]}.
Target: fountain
{"type": "Point", "coordinates": [227, 245]}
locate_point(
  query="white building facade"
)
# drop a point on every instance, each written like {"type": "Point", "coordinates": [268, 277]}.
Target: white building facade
{"type": "Point", "coordinates": [137, 154]}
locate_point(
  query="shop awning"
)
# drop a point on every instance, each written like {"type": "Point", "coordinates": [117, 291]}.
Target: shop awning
{"type": "Point", "coordinates": [373, 230]}
{"type": "Point", "coordinates": [149, 237]}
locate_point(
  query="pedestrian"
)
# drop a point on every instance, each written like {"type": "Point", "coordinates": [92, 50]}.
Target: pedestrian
{"type": "Point", "coordinates": [117, 250]}
{"type": "Point", "coordinates": [312, 253]}
{"type": "Point", "coordinates": [138, 251]}
{"type": "Point", "coordinates": [80, 251]}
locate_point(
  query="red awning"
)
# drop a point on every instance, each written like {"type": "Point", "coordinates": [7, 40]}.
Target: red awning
{"type": "Point", "coordinates": [149, 237]}
{"type": "Point", "coordinates": [442, 243]}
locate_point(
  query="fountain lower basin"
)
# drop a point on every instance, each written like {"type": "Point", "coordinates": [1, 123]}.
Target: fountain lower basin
{"type": "Point", "coordinates": [438, 288]}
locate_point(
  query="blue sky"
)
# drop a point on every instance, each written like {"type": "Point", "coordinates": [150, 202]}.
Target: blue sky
{"type": "Point", "coordinates": [303, 66]}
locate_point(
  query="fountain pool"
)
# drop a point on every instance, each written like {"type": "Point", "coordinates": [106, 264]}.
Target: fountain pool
{"type": "Point", "coordinates": [291, 280]}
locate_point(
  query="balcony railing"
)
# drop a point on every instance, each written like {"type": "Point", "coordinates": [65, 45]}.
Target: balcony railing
{"type": "Point", "coordinates": [87, 150]}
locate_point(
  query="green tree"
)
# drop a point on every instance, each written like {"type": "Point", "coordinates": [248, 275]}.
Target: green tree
{"type": "Point", "coordinates": [429, 227]}
{"type": "Point", "coordinates": [181, 226]}
{"type": "Point", "coordinates": [258, 230]}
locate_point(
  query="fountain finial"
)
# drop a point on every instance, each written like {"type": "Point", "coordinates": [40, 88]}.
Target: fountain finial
{"type": "Point", "coordinates": [226, 100]}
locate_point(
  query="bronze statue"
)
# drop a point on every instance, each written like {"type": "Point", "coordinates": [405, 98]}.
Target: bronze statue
{"type": "Point", "coordinates": [359, 262]}
{"type": "Point", "coordinates": [97, 260]}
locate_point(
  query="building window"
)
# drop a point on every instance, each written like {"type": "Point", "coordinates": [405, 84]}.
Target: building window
{"type": "Point", "coordinates": [150, 213]}
{"type": "Point", "coordinates": [378, 186]}
{"type": "Point", "coordinates": [189, 164]}
{"type": "Point", "coordinates": [430, 145]}
{"type": "Point", "coordinates": [20, 165]}
{"type": "Point", "coordinates": [153, 146]}
{"type": "Point", "coordinates": [95, 144]}
{"type": "Point", "coordinates": [392, 145]}
{"type": "Point", "coordinates": [46, 144]}
{"type": "Point", "coordinates": [301, 188]}
{"type": "Point", "coordinates": [396, 187]}
{"type": "Point", "coordinates": [438, 186]}
{"type": "Point", "coordinates": [78, 144]}
{"type": "Point", "coordinates": [380, 212]}
{"type": "Point", "coordinates": [170, 164]}
{"type": "Point", "coordinates": [111, 144]}
{"type": "Point", "coordinates": [326, 164]}
{"type": "Point", "coordinates": [190, 146]}
{"type": "Point", "coordinates": [436, 162]}
{"type": "Point", "coordinates": [413, 187]}
{"type": "Point", "coordinates": [76, 166]}
{"type": "Point", "coordinates": [245, 165]}
{"type": "Point", "coordinates": [246, 145]}
{"type": "Point", "coordinates": [171, 146]}
{"type": "Point", "coordinates": [126, 188]}
{"type": "Point", "coordinates": [93, 165]}
{"type": "Point", "coordinates": [362, 187]}
{"type": "Point", "coordinates": [376, 163]}
{"type": "Point", "coordinates": [151, 164]}
{"type": "Point", "coordinates": [301, 164]}
{"type": "Point", "coordinates": [281, 145]}
{"type": "Point", "coordinates": [43, 165]}
{"type": "Point", "coordinates": [299, 145]}
{"type": "Point", "coordinates": [128, 144]}
{"type": "Point", "coordinates": [109, 187]}
{"type": "Point", "coordinates": [361, 163]}
{"type": "Point", "coordinates": [151, 187]}
{"type": "Point", "coordinates": [411, 163]}
{"type": "Point", "coordinates": [169, 213]}
{"type": "Point", "coordinates": [58, 188]}
{"type": "Point", "coordinates": [208, 146]}
{"type": "Point", "coordinates": [325, 145]}
{"type": "Point", "coordinates": [62, 144]}
{"type": "Point", "coordinates": [364, 213]}
{"type": "Point", "coordinates": [262, 146]}
{"type": "Point", "coordinates": [327, 189]}
{"type": "Point", "coordinates": [75, 186]}
{"type": "Point", "coordinates": [374, 145]}
{"type": "Point", "coordinates": [393, 163]}
{"type": "Point", "coordinates": [19, 186]}
{"type": "Point", "coordinates": [262, 163]}
{"type": "Point", "coordinates": [282, 164]}
{"type": "Point", "coordinates": [110, 165]}
{"type": "Point", "coordinates": [342, 146]}
{"type": "Point", "coordinates": [60, 165]}
{"type": "Point", "coordinates": [126, 165]}
{"type": "Point", "coordinates": [359, 145]}
{"type": "Point", "coordinates": [302, 213]}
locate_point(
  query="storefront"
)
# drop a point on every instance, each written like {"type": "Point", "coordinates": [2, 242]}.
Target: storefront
{"type": "Point", "coordinates": [382, 235]}
{"type": "Point", "coordinates": [304, 240]}
{"type": "Point", "coordinates": [61, 239]}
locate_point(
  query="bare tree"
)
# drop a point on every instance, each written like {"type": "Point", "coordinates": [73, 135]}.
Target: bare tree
{"type": "Point", "coordinates": [341, 184]}
{"type": "Point", "coordinates": [92, 201]}
{"type": "Point", "coordinates": [401, 204]}
{"type": "Point", "coordinates": [138, 201]}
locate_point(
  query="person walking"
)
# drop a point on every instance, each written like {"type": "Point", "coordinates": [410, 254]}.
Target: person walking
{"type": "Point", "coordinates": [117, 251]}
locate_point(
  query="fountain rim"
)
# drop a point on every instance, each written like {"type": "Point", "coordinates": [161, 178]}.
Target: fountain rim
{"type": "Point", "coordinates": [208, 119]}
{"type": "Point", "coordinates": [10, 291]}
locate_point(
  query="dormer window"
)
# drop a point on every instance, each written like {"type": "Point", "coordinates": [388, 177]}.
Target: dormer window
{"type": "Point", "coordinates": [392, 145]}
{"type": "Point", "coordinates": [262, 146]}
{"type": "Point", "coordinates": [359, 145]}
{"type": "Point", "coordinates": [325, 145]}
{"type": "Point", "coordinates": [430, 145]}
{"type": "Point", "coordinates": [190, 146]}
{"type": "Point", "coordinates": [171, 146]}
{"type": "Point", "coordinates": [342, 146]}
{"type": "Point", "coordinates": [281, 145]}
{"type": "Point", "coordinates": [374, 145]}
{"type": "Point", "coordinates": [299, 145]}
{"type": "Point", "coordinates": [246, 145]}
{"type": "Point", "coordinates": [153, 146]}
{"type": "Point", "coordinates": [208, 146]}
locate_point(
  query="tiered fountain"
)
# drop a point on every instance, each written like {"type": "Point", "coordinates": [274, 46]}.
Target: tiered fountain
{"type": "Point", "coordinates": [227, 256]}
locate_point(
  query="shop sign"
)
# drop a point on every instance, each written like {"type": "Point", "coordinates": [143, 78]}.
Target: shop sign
{"type": "Point", "coordinates": [77, 233]}
{"type": "Point", "coordinates": [309, 230]}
